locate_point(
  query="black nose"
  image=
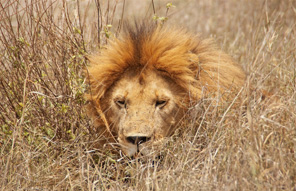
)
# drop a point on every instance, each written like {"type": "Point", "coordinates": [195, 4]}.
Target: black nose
{"type": "Point", "coordinates": [136, 140]}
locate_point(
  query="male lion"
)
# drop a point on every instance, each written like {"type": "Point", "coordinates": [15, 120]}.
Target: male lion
{"type": "Point", "coordinates": [143, 83]}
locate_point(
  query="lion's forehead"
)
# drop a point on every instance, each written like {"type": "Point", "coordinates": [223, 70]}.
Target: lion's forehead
{"type": "Point", "coordinates": [153, 87]}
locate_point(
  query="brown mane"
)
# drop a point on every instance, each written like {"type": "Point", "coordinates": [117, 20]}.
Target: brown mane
{"type": "Point", "coordinates": [196, 65]}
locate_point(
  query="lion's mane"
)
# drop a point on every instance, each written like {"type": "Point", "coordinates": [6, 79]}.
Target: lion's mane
{"type": "Point", "coordinates": [195, 64]}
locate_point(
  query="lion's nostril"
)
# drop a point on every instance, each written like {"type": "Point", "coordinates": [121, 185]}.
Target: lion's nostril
{"type": "Point", "coordinates": [136, 140]}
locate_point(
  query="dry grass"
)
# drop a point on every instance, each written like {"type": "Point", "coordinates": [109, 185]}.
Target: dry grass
{"type": "Point", "coordinates": [47, 143]}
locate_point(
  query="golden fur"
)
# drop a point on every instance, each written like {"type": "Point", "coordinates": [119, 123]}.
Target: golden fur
{"type": "Point", "coordinates": [190, 67]}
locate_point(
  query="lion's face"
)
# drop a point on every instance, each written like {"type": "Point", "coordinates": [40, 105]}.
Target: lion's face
{"type": "Point", "coordinates": [143, 108]}
{"type": "Point", "coordinates": [143, 82]}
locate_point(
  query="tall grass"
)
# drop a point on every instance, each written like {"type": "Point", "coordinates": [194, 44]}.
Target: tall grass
{"type": "Point", "coordinates": [47, 142]}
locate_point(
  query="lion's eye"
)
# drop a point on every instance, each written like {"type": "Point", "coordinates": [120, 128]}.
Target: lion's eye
{"type": "Point", "coordinates": [160, 103]}
{"type": "Point", "coordinates": [120, 103]}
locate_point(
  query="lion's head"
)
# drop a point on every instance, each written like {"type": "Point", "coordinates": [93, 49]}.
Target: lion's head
{"type": "Point", "coordinates": [143, 83]}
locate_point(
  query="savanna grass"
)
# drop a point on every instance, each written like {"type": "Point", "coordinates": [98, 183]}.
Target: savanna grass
{"type": "Point", "coordinates": [47, 142]}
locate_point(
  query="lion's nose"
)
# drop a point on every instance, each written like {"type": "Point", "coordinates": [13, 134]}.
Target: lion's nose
{"type": "Point", "coordinates": [136, 140]}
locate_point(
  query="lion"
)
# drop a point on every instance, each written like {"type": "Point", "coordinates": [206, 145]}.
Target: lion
{"type": "Point", "coordinates": [142, 84]}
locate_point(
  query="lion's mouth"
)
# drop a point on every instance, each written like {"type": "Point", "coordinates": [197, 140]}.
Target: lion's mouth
{"type": "Point", "coordinates": [131, 150]}
{"type": "Point", "coordinates": [136, 149]}
{"type": "Point", "coordinates": [144, 149]}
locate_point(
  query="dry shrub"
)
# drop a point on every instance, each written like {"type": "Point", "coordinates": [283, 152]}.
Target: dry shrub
{"type": "Point", "coordinates": [46, 142]}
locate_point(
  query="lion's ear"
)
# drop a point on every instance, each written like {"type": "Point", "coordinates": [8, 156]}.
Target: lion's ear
{"type": "Point", "coordinates": [92, 111]}
{"type": "Point", "coordinates": [194, 65]}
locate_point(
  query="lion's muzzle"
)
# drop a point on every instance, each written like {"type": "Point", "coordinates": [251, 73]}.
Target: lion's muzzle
{"type": "Point", "coordinates": [136, 140]}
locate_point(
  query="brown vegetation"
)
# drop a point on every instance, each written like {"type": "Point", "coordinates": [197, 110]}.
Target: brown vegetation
{"type": "Point", "coordinates": [47, 143]}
